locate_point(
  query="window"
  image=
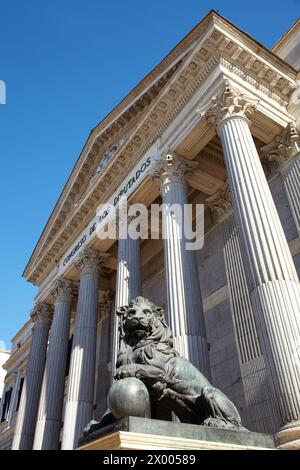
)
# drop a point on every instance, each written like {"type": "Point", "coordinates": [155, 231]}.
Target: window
{"type": "Point", "coordinates": [20, 393]}
{"type": "Point", "coordinates": [6, 404]}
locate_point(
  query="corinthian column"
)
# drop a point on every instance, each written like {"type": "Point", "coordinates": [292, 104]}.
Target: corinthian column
{"type": "Point", "coordinates": [270, 271]}
{"type": "Point", "coordinates": [80, 397]}
{"type": "Point", "coordinates": [48, 426]}
{"type": "Point", "coordinates": [23, 438]}
{"type": "Point", "coordinates": [185, 309]}
{"type": "Point", "coordinates": [128, 285]}
{"type": "Point", "coordinates": [284, 150]}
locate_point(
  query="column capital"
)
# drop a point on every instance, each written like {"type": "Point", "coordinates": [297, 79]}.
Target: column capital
{"type": "Point", "coordinates": [220, 202]}
{"type": "Point", "coordinates": [62, 290]}
{"type": "Point", "coordinates": [284, 147]}
{"type": "Point", "coordinates": [228, 103]}
{"type": "Point", "coordinates": [171, 168]}
{"type": "Point", "coordinates": [90, 260]}
{"type": "Point", "coordinates": [41, 313]}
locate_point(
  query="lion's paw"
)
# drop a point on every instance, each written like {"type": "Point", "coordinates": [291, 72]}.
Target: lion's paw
{"type": "Point", "coordinates": [218, 423]}
{"type": "Point", "coordinates": [126, 371]}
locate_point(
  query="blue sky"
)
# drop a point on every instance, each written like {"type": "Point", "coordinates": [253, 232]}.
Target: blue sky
{"type": "Point", "coordinates": [66, 64]}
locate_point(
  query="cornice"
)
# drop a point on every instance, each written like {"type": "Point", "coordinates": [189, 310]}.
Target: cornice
{"type": "Point", "coordinates": [255, 47]}
{"type": "Point", "coordinates": [21, 330]}
{"type": "Point", "coordinates": [108, 126]}
{"type": "Point", "coordinates": [279, 93]}
{"type": "Point", "coordinates": [5, 351]}
{"type": "Point", "coordinates": [17, 354]}
{"type": "Point", "coordinates": [136, 147]}
{"type": "Point", "coordinates": [89, 159]}
{"type": "Point", "coordinates": [214, 49]}
{"type": "Point", "coordinates": [286, 37]}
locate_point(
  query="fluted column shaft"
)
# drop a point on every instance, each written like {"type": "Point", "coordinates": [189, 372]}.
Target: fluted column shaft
{"type": "Point", "coordinates": [259, 224]}
{"type": "Point", "coordinates": [184, 301]}
{"type": "Point", "coordinates": [80, 397]}
{"type": "Point", "coordinates": [28, 409]}
{"type": "Point", "coordinates": [284, 150]}
{"type": "Point", "coordinates": [253, 370]}
{"type": "Point", "coordinates": [128, 285]}
{"type": "Point", "coordinates": [49, 420]}
{"type": "Point", "coordinates": [290, 173]}
{"type": "Point", "coordinates": [271, 274]}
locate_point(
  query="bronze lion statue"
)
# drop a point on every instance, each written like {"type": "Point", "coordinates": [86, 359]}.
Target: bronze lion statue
{"type": "Point", "coordinates": [146, 352]}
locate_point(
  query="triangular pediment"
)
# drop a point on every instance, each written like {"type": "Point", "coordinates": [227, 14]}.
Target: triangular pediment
{"type": "Point", "coordinates": [120, 140]}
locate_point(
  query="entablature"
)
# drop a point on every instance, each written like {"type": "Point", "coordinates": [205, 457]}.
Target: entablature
{"type": "Point", "coordinates": [220, 50]}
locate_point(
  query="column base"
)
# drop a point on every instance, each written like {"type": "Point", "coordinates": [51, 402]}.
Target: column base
{"type": "Point", "coordinates": [288, 438]}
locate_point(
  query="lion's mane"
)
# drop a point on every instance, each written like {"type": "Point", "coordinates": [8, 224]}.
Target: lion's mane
{"type": "Point", "coordinates": [159, 339]}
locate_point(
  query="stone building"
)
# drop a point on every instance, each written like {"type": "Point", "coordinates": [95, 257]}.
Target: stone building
{"type": "Point", "coordinates": [4, 355]}
{"type": "Point", "coordinates": [15, 367]}
{"type": "Point", "coordinates": [218, 120]}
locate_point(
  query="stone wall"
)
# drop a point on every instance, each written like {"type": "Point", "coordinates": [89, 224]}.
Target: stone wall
{"type": "Point", "coordinates": [223, 355]}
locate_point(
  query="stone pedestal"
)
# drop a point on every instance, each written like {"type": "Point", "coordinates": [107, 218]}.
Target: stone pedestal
{"type": "Point", "coordinates": [151, 434]}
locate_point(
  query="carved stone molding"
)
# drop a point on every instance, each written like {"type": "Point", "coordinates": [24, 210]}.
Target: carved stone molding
{"type": "Point", "coordinates": [172, 169]}
{"type": "Point", "coordinates": [228, 103]}
{"type": "Point", "coordinates": [264, 72]}
{"type": "Point", "coordinates": [41, 313]}
{"type": "Point", "coordinates": [90, 260]}
{"type": "Point", "coordinates": [283, 147]}
{"type": "Point", "coordinates": [108, 155]}
{"type": "Point", "coordinates": [104, 138]}
{"type": "Point", "coordinates": [220, 203]}
{"type": "Point", "coordinates": [259, 81]}
{"type": "Point", "coordinates": [62, 290]}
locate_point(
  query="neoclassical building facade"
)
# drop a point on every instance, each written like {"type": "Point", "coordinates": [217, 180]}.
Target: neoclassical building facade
{"type": "Point", "coordinates": [215, 123]}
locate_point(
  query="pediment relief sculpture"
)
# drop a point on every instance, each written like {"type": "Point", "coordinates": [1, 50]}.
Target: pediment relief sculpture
{"type": "Point", "coordinates": [107, 157]}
